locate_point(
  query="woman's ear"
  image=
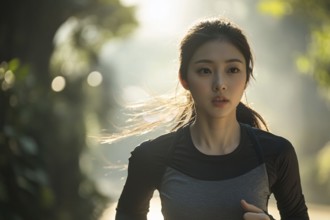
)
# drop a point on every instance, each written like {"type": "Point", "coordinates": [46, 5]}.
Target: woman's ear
{"type": "Point", "coordinates": [183, 82]}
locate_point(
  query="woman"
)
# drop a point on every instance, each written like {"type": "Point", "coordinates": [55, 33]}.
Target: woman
{"type": "Point", "coordinates": [217, 163]}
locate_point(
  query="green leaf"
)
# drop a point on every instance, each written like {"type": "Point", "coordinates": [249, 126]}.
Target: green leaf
{"type": "Point", "coordinates": [303, 64]}
{"type": "Point", "coordinates": [274, 7]}
{"type": "Point", "coordinates": [14, 64]}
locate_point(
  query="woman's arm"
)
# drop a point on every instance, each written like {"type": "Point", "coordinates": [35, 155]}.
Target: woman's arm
{"type": "Point", "coordinates": [133, 203]}
{"type": "Point", "coordinates": [287, 188]}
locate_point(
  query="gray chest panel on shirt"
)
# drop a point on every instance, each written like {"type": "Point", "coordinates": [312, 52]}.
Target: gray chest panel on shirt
{"type": "Point", "coordinates": [184, 197]}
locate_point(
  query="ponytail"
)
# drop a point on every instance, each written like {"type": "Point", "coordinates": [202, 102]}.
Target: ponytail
{"type": "Point", "coordinates": [247, 115]}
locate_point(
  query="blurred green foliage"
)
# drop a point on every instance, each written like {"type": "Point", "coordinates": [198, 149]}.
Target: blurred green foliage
{"type": "Point", "coordinates": [43, 132]}
{"type": "Point", "coordinates": [315, 61]}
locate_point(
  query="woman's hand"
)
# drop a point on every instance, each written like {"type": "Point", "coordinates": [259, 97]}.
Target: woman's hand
{"type": "Point", "coordinates": [253, 212]}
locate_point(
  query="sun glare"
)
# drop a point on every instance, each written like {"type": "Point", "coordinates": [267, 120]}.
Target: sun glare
{"type": "Point", "coordinates": [158, 17]}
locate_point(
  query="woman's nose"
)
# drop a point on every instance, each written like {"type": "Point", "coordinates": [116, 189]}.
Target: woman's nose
{"type": "Point", "coordinates": [219, 83]}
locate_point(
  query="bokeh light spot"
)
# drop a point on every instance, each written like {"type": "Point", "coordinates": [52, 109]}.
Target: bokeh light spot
{"type": "Point", "coordinates": [58, 83]}
{"type": "Point", "coordinates": [94, 79]}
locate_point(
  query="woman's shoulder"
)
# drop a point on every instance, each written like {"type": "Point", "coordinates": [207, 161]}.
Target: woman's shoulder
{"type": "Point", "coordinates": [273, 143]}
{"type": "Point", "coordinates": [270, 137]}
{"type": "Point", "coordinates": [149, 159]}
{"type": "Point", "coordinates": [156, 148]}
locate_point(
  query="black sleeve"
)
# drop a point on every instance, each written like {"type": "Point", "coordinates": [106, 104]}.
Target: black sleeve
{"type": "Point", "coordinates": [146, 167]}
{"type": "Point", "coordinates": [134, 201]}
{"type": "Point", "coordinates": [287, 188]}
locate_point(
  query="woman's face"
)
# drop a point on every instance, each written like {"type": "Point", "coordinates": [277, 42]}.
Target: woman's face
{"type": "Point", "coordinates": [216, 78]}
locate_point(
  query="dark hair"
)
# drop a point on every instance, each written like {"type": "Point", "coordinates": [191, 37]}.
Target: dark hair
{"type": "Point", "coordinates": [205, 31]}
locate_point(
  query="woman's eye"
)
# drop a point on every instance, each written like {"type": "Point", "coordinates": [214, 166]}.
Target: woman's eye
{"type": "Point", "coordinates": [204, 71]}
{"type": "Point", "coordinates": [233, 70]}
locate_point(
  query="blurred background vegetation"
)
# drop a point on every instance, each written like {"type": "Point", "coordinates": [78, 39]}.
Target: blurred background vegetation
{"type": "Point", "coordinates": [49, 74]}
{"type": "Point", "coordinates": [66, 65]}
{"type": "Point", "coordinates": [314, 60]}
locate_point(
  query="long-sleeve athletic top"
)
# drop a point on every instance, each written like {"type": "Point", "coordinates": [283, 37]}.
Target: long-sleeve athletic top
{"type": "Point", "coordinates": [193, 185]}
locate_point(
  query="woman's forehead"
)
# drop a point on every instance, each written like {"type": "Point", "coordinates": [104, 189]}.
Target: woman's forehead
{"type": "Point", "coordinates": [217, 50]}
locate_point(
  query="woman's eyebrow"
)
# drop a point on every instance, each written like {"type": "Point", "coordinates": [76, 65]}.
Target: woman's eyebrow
{"type": "Point", "coordinates": [227, 61]}
{"type": "Point", "coordinates": [234, 60]}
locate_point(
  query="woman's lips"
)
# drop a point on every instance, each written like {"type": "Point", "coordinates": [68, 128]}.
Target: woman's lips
{"type": "Point", "coordinates": [220, 101]}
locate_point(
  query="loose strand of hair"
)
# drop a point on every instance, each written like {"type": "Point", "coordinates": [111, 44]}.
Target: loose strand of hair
{"type": "Point", "coordinates": [169, 113]}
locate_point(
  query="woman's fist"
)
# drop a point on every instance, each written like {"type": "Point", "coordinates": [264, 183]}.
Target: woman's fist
{"type": "Point", "coordinates": [253, 212]}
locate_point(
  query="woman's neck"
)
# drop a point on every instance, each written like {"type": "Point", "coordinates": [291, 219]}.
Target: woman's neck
{"type": "Point", "coordinates": [215, 137]}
